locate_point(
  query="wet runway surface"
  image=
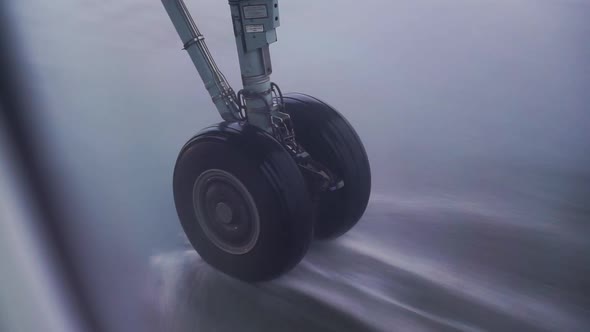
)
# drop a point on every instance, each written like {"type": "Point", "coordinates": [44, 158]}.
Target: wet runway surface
{"type": "Point", "coordinates": [413, 265]}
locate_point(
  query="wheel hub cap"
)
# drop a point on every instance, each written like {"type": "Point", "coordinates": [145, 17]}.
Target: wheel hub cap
{"type": "Point", "coordinates": [223, 213]}
{"type": "Point", "coordinates": [226, 211]}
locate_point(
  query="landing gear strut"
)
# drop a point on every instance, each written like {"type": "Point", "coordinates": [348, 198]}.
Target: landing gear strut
{"type": "Point", "coordinates": [252, 191]}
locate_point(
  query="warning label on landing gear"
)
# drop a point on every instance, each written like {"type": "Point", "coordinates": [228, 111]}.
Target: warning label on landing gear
{"type": "Point", "coordinates": [259, 11]}
{"type": "Point", "coordinates": [254, 28]}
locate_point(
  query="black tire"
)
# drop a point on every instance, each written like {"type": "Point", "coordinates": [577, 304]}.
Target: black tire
{"type": "Point", "coordinates": [332, 141]}
{"type": "Point", "coordinates": [273, 182]}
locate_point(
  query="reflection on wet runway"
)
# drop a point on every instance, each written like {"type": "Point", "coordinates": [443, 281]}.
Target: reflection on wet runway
{"type": "Point", "coordinates": [414, 265]}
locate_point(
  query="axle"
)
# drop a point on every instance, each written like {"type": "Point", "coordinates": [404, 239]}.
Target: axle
{"type": "Point", "coordinates": [254, 23]}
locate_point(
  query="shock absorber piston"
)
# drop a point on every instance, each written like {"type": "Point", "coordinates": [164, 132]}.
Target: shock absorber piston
{"type": "Point", "coordinates": [255, 23]}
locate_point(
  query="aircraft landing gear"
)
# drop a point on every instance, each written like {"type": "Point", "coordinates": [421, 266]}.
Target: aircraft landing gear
{"type": "Point", "coordinates": [252, 191]}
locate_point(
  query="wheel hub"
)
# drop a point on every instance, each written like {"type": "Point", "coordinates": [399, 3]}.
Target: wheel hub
{"type": "Point", "coordinates": [223, 213]}
{"type": "Point", "coordinates": [226, 211]}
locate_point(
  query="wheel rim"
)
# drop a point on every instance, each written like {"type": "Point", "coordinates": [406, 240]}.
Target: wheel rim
{"type": "Point", "coordinates": [226, 211]}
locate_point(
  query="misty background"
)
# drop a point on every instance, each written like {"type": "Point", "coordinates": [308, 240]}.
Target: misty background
{"type": "Point", "coordinates": [475, 116]}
